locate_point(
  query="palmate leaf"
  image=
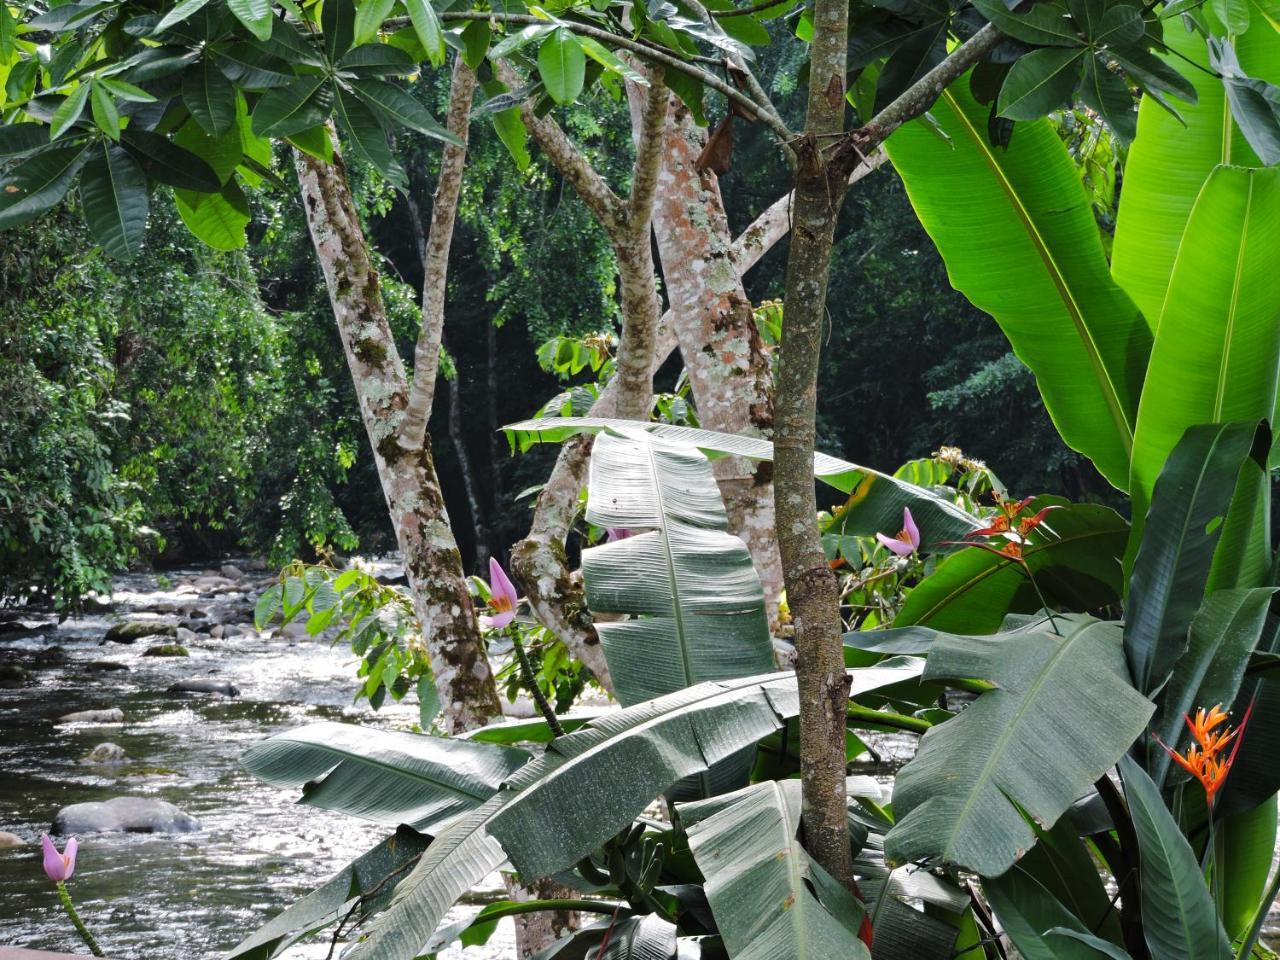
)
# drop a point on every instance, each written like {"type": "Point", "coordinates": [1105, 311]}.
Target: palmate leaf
{"type": "Point", "coordinates": [606, 773]}
{"type": "Point", "coordinates": [875, 500]}
{"type": "Point", "coordinates": [1179, 920]}
{"type": "Point", "coordinates": [1062, 712]}
{"type": "Point", "coordinates": [1016, 229]}
{"type": "Point", "coordinates": [386, 777]}
{"type": "Point", "coordinates": [760, 882]}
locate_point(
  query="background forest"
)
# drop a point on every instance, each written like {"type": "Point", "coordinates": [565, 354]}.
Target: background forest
{"type": "Point", "coordinates": [202, 405]}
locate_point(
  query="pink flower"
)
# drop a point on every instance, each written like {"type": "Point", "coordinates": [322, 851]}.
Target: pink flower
{"type": "Point", "coordinates": [502, 598]}
{"type": "Point", "coordinates": [59, 866]}
{"type": "Point", "coordinates": [907, 541]}
{"type": "Point", "coordinates": [614, 534]}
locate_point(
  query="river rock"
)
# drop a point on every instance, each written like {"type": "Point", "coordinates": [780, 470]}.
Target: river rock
{"type": "Point", "coordinates": [185, 636]}
{"type": "Point", "coordinates": [133, 630]}
{"type": "Point", "coordinates": [110, 715]}
{"type": "Point", "coordinates": [8, 839]}
{"type": "Point", "coordinates": [206, 685]}
{"type": "Point", "coordinates": [12, 675]}
{"type": "Point", "coordinates": [53, 656]}
{"type": "Point", "coordinates": [105, 753]}
{"type": "Point", "coordinates": [166, 650]}
{"type": "Point", "coordinates": [106, 666]}
{"type": "Point", "coordinates": [124, 815]}
{"type": "Point", "coordinates": [231, 571]}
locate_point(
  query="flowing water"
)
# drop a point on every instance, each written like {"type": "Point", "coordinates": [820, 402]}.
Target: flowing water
{"type": "Point", "coordinates": [178, 896]}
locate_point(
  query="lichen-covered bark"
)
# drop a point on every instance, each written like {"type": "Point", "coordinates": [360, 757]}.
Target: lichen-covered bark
{"type": "Point", "coordinates": [435, 259]}
{"type": "Point", "coordinates": [432, 563]}
{"type": "Point", "coordinates": [723, 352]}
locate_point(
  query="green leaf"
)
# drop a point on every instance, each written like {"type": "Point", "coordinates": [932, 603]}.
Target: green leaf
{"type": "Point", "coordinates": [427, 27]}
{"type": "Point", "coordinates": [638, 751]}
{"type": "Point", "coordinates": [338, 22]}
{"type": "Point", "coordinates": [1171, 159]}
{"type": "Point", "coordinates": [562, 65]}
{"type": "Point", "coordinates": [1107, 94]}
{"type": "Point", "coordinates": [760, 881]}
{"type": "Point", "coordinates": [1025, 248]}
{"type": "Point", "coordinates": [961, 800]}
{"type": "Point", "coordinates": [210, 97]}
{"type": "Point", "coordinates": [1045, 24]}
{"type": "Point", "coordinates": [400, 108]}
{"type": "Point", "coordinates": [330, 903]}
{"type": "Point", "coordinates": [475, 43]}
{"type": "Point", "coordinates": [39, 183]}
{"type": "Point", "coordinates": [1218, 319]}
{"type": "Point", "coordinates": [180, 12]}
{"type": "Point", "coordinates": [602, 55]}
{"type": "Point", "coordinates": [1040, 82]}
{"type": "Point", "coordinates": [113, 192]}
{"type": "Point", "coordinates": [1029, 913]}
{"type": "Point", "coordinates": [1223, 633]}
{"type": "Point", "coordinates": [1120, 25]}
{"type": "Point", "coordinates": [166, 163]}
{"type": "Point", "coordinates": [378, 60]}
{"type": "Point", "coordinates": [223, 154]}
{"type": "Point", "coordinates": [876, 499]}
{"type": "Point", "coordinates": [1255, 103]}
{"type": "Point", "coordinates": [384, 776]}
{"type": "Point", "coordinates": [1175, 553]}
{"type": "Point", "coordinates": [314, 141]}
{"type": "Point", "coordinates": [105, 114]}
{"type": "Point", "coordinates": [255, 15]}
{"type": "Point", "coordinates": [219, 218]}
{"type": "Point", "coordinates": [267, 607]}
{"type": "Point", "coordinates": [1179, 918]}
{"type": "Point", "coordinates": [370, 15]}
{"type": "Point", "coordinates": [285, 111]}
{"type": "Point", "coordinates": [1076, 563]}
{"type": "Point", "coordinates": [1234, 15]}
{"type": "Point", "coordinates": [1104, 947]}
{"type": "Point", "coordinates": [68, 112]}
{"type": "Point", "coordinates": [17, 139]}
{"type": "Point", "coordinates": [361, 129]}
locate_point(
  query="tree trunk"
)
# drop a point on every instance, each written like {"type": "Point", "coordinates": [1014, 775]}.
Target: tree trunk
{"type": "Point", "coordinates": [723, 352]}
{"type": "Point", "coordinates": [812, 593]}
{"type": "Point", "coordinates": [432, 563]}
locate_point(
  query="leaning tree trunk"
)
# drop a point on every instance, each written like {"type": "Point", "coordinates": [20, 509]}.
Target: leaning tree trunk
{"type": "Point", "coordinates": [723, 352]}
{"type": "Point", "coordinates": [812, 594]}
{"type": "Point", "coordinates": [432, 562]}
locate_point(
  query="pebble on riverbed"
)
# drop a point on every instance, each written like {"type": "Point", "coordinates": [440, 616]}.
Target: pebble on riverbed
{"type": "Point", "coordinates": [106, 753]}
{"type": "Point", "coordinates": [124, 815]}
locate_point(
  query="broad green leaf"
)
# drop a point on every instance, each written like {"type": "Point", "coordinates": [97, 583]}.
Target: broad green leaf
{"type": "Point", "coordinates": [105, 113]}
{"type": "Point", "coordinates": [338, 22]}
{"type": "Point", "coordinates": [218, 219]}
{"type": "Point", "coordinates": [562, 65]}
{"type": "Point", "coordinates": [638, 752]}
{"type": "Point", "coordinates": [1175, 553]}
{"type": "Point", "coordinates": [602, 55]}
{"type": "Point", "coordinates": [1217, 352]}
{"type": "Point", "coordinates": [252, 68]}
{"type": "Point", "coordinates": [68, 112]}
{"type": "Point", "coordinates": [1255, 103]}
{"type": "Point", "coordinates": [166, 163]}
{"type": "Point", "coordinates": [760, 881]}
{"type": "Point", "coordinates": [1040, 82]}
{"type": "Point", "coordinates": [1223, 633]}
{"type": "Point", "coordinates": [383, 776]}
{"type": "Point", "coordinates": [223, 154]}
{"type": "Point", "coordinates": [427, 26]}
{"type": "Point", "coordinates": [1062, 712]}
{"type": "Point", "coordinates": [1247, 841]}
{"type": "Point", "coordinates": [1045, 24]}
{"type": "Point", "coordinates": [361, 129]}
{"type": "Point", "coordinates": [369, 17]}
{"type": "Point", "coordinates": [1179, 918]}
{"type": "Point", "coordinates": [875, 503]}
{"type": "Point", "coordinates": [17, 139]}
{"type": "Point", "coordinates": [1016, 229]}
{"type": "Point", "coordinates": [285, 111]}
{"type": "Point", "coordinates": [1107, 94]}
{"type": "Point", "coordinates": [1028, 911]}
{"type": "Point", "coordinates": [1062, 863]}
{"type": "Point", "coordinates": [113, 192]}
{"type": "Point", "coordinates": [401, 108]}
{"type": "Point", "coordinates": [39, 183]}
{"type": "Point", "coordinates": [644, 937]}
{"type": "Point", "coordinates": [365, 877]}
{"type": "Point", "coordinates": [180, 12]}
{"type": "Point", "coordinates": [475, 43]}
{"type": "Point", "coordinates": [314, 141]}
{"type": "Point", "coordinates": [210, 97]}
{"type": "Point", "coordinates": [1075, 557]}
{"type": "Point", "coordinates": [378, 60]}
{"type": "Point", "coordinates": [1102, 948]}
{"type": "Point", "coordinates": [255, 15]}
{"type": "Point", "coordinates": [1171, 159]}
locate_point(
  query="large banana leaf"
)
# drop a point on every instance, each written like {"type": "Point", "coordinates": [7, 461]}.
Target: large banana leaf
{"type": "Point", "coordinates": [876, 499]}
{"type": "Point", "coordinates": [1175, 553]}
{"type": "Point", "coordinates": [1029, 912]}
{"type": "Point", "coordinates": [697, 603]}
{"type": "Point", "coordinates": [1170, 161]}
{"type": "Point", "coordinates": [586, 787]}
{"type": "Point", "coordinates": [1075, 560]}
{"type": "Point", "coordinates": [1216, 356]}
{"type": "Point", "coordinates": [1016, 230]}
{"type": "Point", "coordinates": [1179, 920]}
{"type": "Point", "coordinates": [383, 776]}
{"type": "Point", "coordinates": [764, 890]}
{"type": "Point", "coordinates": [647, 937]}
{"type": "Point", "coordinates": [1062, 712]}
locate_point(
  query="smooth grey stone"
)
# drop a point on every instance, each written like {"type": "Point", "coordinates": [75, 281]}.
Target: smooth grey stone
{"type": "Point", "coordinates": [111, 715]}
{"type": "Point", "coordinates": [206, 685]}
{"type": "Point", "coordinates": [124, 815]}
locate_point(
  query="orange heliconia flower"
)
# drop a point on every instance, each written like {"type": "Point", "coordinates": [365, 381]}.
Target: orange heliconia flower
{"type": "Point", "coordinates": [1204, 759]}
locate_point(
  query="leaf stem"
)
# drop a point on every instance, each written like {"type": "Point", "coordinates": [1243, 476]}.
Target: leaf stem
{"type": "Point", "coordinates": [65, 896]}
{"type": "Point", "coordinates": [531, 683]}
{"type": "Point", "coordinates": [882, 718]}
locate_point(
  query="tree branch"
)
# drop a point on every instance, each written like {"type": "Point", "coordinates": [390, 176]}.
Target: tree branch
{"type": "Point", "coordinates": [644, 172]}
{"type": "Point", "coordinates": [435, 259]}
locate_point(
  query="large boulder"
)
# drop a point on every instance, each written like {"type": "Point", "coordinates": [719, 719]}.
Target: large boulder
{"type": "Point", "coordinates": [166, 650]}
{"type": "Point", "coordinates": [124, 815]}
{"type": "Point", "coordinates": [105, 753]}
{"type": "Point", "coordinates": [111, 715]}
{"type": "Point", "coordinates": [131, 631]}
{"type": "Point", "coordinates": [206, 685]}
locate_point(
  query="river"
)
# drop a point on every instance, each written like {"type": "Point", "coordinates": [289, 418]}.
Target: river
{"type": "Point", "coordinates": [183, 896]}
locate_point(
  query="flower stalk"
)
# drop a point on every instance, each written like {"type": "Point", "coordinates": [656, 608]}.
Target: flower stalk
{"type": "Point", "coordinates": [65, 896]}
